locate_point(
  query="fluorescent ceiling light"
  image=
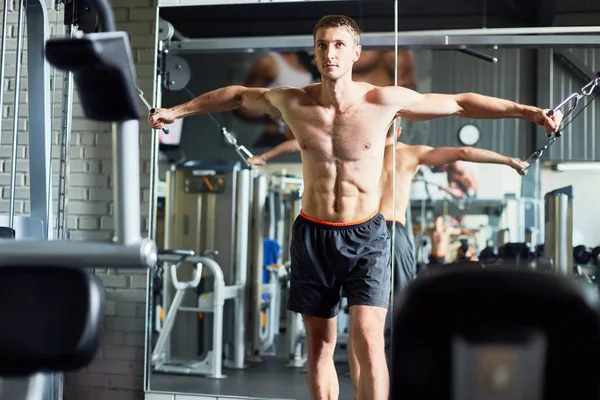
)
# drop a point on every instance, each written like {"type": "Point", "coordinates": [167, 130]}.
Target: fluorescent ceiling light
{"type": "Point", "coordinates": [577, 166]}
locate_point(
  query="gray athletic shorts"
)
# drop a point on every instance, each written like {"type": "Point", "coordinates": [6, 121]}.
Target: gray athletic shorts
{"type": "Point", "coordinates": [329, 261]}
{"type": "Point", "coordinates": [405, 269]}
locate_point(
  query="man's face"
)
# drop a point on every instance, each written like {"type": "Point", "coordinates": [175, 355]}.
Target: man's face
{"type": "Point", "coordinates": [463, 177]}
{"type": "Point", "coordinates": [335, 52]}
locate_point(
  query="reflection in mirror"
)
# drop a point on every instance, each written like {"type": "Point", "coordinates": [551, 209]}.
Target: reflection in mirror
{"type": "Point", "coordinates": [220, 324]}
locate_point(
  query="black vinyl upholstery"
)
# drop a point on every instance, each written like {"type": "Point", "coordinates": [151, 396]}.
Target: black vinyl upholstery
{"type": "Point", "coordinates": [51, 319]}
{"type": "Point", "coordinates": [492, 304]}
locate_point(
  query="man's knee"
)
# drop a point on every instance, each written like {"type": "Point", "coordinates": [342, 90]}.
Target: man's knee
{"type": "Point", "coordinates": [367, 326]}
{"type": "Point", "coordinates": [321, 336]}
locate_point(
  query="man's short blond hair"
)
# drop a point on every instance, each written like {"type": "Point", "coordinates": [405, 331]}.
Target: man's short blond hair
{"type": "Point", "coordinates": [339, 21]}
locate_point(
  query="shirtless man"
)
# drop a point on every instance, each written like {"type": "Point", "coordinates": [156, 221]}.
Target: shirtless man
{"type": "Point", "coordinates": [340, 241]}
{"type": "Point", "coordinates": [408, 160]}
{"type": "Point", "coordinates": [440, 236]}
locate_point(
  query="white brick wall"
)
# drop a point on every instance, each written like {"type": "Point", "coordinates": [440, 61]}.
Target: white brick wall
{"type": "Point", "coordinates": [117, 371]}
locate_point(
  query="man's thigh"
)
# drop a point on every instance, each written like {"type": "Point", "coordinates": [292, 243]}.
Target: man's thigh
{"type": "Point", "coordinates": [368, 281]}
{"type": "Point", "coordinates": [314, 289]}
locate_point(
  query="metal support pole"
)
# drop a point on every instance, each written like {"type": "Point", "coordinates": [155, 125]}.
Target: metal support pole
{"type": "Point", "coordinates": [65, 147]}
{"type": "Point", "coordinates": [3, 55]}
{"type": "Point", "coordinates": [154, 147]}
{"type": "Point", "coordinates": [558, 244]}
{"type": "Point", "coordinates": [16, 108]}
{"type": "Point", "coordinates": [126, 162]}
{"type": "Point", "coordinates": [258, 212]}
{"type": "Point", "coordinates": [39, 115]}
{"type": "Point", "coordinates": [241, 268]}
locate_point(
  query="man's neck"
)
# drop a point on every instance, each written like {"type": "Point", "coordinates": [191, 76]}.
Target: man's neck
{"type": "Point", "coordinates": [338, 93]}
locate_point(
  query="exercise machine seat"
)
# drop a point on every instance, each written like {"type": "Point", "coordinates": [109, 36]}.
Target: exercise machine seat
{"type": "Point", "coordinates": [496, 306]}
{"type": "Point", "coordinates": [51, 319]}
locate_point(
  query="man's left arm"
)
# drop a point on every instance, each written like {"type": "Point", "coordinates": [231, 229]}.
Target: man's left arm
{"type": "Point", "coordinates": [421, 107]}
{"type": "Point", "coordinates": [445, 155]}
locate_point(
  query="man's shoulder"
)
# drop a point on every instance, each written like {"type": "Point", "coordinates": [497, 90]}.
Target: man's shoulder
{"type": "Point", "coordinates": [412, 151]}
{"type": "Point", "coordinates": [295, 91]}
{"type": "Point", "coordinates": [407, 156]}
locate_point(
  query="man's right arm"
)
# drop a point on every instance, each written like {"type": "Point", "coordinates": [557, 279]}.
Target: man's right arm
{"type": "Point", "coordinates": [444, 155]}
{"type": "Point", "coordinates": [228, 98]}
{"type": "Point", "coordinates": [224, 99]}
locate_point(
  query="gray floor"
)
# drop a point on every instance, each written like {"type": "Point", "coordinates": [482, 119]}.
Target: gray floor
{"type": "Point", "coordinates": [269, 379]}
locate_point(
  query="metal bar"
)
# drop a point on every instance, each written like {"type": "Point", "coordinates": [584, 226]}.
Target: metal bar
{"type": "Point", "coordinates": [40, 123]}
{"type": "Point", "coordinates": [258, 211]}
{"type": "Point", "coordinates": [65, 147]}
{"type": "Point", "coordinates": [76, 254]}
{"type": "Point", "coordinates": [154, 146]}
{"type": "Point", "coordinates": [16, 108]}
{"type": "Point", "coordinates": [423, 40]}
{"type": "Point", "coordinates": [3, 55]}
{"type": "Point", "coordinates": [576, 66]}
{"type": "Point", "coordinates": [241, 266]}
{"type": "Point", "coordinates": [152, 208]}
{"type": "Point", "coordinates": [126, 161]}
{"type": "Point", "coordinates": [558, 243]}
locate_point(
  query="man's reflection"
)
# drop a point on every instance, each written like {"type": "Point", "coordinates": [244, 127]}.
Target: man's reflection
{"type": "Point", "coordinates": [271, 70]}
{"type": "Point", "coordinates": [378, 68]}
{"type": "Point", "coordinates": [462, 181]}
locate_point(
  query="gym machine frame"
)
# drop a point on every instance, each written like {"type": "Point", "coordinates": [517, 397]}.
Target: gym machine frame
{"type": "Point", "coordinates": [129, 249]}
{"type": "Point", "coordinates": [39, 224]}
{"type": "Point", "coordinates": [427, 40]}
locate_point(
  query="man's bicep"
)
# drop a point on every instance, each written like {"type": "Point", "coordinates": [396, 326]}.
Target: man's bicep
{"type": "Point", "coordinates": [441, 155]}
{"type": "Point", "coordinates": [422, 107]}
{"type": "Point", "coordinates": [259, 99]}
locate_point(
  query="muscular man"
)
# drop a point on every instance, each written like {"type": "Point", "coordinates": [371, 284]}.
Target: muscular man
{"type": "Point", "coordinates": [340, 242]}
{"type": "Point", "coordinates": [408, 160]}
{"type": "Point", "coordinates": [440, 236]}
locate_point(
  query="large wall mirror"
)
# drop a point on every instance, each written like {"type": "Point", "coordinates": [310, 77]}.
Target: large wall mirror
{"type": "Point", "coordinates": [218, 326]}
{"type": "Point", "coordinates": [224, 329]}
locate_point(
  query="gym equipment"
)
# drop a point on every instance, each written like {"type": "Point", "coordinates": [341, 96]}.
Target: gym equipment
{"type": "Point", "coordinates": [595, 255]}
{"type": "Point", "coordinates": [230, 139]}
{"type": "Point", "coordinates": [201, 204]}
{"type": "Point", "coordinates": [489, 254]}
{"type": "Point", "coordinates": [294, 326]}
{"type": "Point", "coordinates": [78, 15]}
{"type": "Point", "coordinates": [55, 326]}
{"type": "Point", "coordinates": [558, 242]}
{"type": "Point", "coordinates": [582, 254]}
{"type": "Point", "coordinates": [102, 56]}
{"type": "Point", "coordinates": [55, 315]}
{"type": "Point", "coordinates": [511, 337]}
{"type": "Point", "coordinates": [151, 109]}
{"type": "Point", "coordinates": [573, 99]}
{"type": "Point", "coordinates": [38, 224]}
{"type": "Point", "coordinates": [208, 302]}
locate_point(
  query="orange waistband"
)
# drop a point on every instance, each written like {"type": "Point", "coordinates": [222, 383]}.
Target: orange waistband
{"type": "Point", "coordinates": [319, 221]}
